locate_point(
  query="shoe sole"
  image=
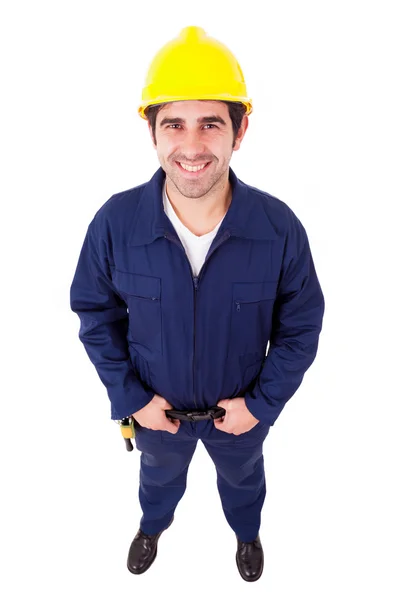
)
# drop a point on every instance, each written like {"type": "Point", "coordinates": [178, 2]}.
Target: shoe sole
{"type": "Point", "coordinates": [246, 578]}
{"type": "Point", "coordinates": [136, 572]}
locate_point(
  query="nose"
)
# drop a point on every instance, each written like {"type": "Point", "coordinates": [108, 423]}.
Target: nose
{"type": "Point", "coordinates": [192, 146]}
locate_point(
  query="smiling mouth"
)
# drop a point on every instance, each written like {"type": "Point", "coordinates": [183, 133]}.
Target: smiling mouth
{"type": "Point", "coordinates": [193, 169]}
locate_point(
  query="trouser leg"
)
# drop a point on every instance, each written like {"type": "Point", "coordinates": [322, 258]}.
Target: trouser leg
{"type": "Point", "coordinates": [164, 467]}
{"type": "Point", "coordinates": [240, 481]}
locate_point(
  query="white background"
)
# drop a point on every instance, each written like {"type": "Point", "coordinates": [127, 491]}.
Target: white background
{"type": "Point", "coordinates": [324, 138]}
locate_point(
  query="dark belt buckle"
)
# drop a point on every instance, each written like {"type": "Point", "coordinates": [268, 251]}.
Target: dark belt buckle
{"type": "Point", "coordinates": [198, 415]}
{"type": "Point", "coordinates": [212, 413]}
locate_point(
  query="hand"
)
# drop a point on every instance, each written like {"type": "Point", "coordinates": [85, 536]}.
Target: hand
{"type": "Point", "coordinates": [153, 415]}
{"type": "Point", "coordinates": [237, 419]}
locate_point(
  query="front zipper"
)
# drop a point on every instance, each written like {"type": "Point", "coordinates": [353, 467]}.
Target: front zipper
{"type": "Point", "coordinates": [195, 281]}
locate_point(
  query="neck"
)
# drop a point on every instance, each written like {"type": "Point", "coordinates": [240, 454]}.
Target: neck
{"type": "Point", "coordinates": [200, 215]}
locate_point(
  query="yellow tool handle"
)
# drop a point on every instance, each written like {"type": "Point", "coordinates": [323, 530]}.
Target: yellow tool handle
{"type": "Point", "coordinates": [128, 430]}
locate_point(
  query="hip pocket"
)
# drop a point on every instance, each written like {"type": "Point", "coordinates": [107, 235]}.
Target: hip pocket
{"type": "Point", "coordinates": [254, 437]}
{"type": "Point", "coordinates": [251, 366]}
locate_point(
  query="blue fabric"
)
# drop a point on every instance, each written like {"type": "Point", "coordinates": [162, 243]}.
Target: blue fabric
{"type": "Point", "coordinates": [150, 327]}
{"type": "Point", "coordinates": [239, 464]}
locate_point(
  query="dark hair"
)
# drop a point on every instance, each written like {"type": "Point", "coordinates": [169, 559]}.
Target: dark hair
{"type": "Point", "coordinates": [237, 111]}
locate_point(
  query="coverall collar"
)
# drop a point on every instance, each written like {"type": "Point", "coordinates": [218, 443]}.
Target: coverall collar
{"type": "Point", "coordinates": [246, 216]}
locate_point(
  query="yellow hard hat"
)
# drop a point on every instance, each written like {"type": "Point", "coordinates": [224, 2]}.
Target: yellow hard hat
{"type": "Point", "coordinates": [194, 66]}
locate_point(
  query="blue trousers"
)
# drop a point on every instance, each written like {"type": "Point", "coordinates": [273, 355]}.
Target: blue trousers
{"type": "Point", "coordinates": [239, 464]}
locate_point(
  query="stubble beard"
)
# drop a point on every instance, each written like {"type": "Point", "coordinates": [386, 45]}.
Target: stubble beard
{"type": "Point", "coordinates": [194, 189]}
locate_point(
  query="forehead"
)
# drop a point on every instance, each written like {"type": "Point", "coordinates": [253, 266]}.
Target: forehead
{"type": "Point", "coordinates": [194, 108]}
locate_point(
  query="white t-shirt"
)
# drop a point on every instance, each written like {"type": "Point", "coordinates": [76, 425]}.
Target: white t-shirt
{"type": "Point", "coordinates": [196, 246]}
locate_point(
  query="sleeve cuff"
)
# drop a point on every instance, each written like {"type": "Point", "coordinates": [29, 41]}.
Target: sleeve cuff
{"type": "Point", "coordinates": [259, 409]}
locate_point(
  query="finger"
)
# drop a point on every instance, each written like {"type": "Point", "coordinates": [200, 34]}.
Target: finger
{"type": "Point", "coordinates": [173, 425]}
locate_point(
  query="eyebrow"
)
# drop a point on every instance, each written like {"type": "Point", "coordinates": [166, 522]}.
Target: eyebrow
{"type": "Point", "coordinates": [210, 119]}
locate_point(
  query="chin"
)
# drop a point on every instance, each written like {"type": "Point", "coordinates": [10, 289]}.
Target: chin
{"type": "Point", "coordinates": [191, 192]}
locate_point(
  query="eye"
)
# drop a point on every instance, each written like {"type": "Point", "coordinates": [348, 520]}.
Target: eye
{"type": "Point", "coordinates": [173, 125]}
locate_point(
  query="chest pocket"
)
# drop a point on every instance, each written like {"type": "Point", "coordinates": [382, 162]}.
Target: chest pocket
{"type": "Point", "coordinates": [251, 316]}
{"type": "Point", "coordinates": [143, 298]}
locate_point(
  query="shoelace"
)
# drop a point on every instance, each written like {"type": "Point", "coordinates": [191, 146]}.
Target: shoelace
{"type": "Point", "coordinates": [246, 547]}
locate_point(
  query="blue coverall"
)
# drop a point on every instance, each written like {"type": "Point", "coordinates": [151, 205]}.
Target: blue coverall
{"type": "Point", "coordinates": [150, 327]}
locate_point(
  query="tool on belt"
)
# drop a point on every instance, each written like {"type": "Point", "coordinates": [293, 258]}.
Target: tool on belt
{"type": "Point", "coordinates": [127, 425]}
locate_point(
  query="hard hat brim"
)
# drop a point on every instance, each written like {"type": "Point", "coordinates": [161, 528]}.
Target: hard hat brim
{"type": "Point", "coordinates": [166, 99]}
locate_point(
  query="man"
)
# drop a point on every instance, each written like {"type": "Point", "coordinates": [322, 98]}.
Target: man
{"type": "Point", "coordinates": [181, 284]}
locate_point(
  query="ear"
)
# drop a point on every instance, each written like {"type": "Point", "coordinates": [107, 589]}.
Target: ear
{"type": "Point", "coordinates": [241, 132]}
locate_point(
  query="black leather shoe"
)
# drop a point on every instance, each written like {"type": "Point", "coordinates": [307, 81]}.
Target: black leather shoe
{"type": "Point", "coordinates": [250, 559]}
{"type": "Point", "coordinates": [143, 551]}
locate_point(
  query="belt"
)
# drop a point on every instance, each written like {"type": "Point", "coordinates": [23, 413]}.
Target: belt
{"type": "Point", "coordinates": [214, 412]}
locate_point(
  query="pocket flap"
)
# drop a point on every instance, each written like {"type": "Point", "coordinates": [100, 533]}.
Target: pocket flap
{"type": "Point", "coordinates": [254, 291]}
{"type": "Point", "coordinates": [138, 285]}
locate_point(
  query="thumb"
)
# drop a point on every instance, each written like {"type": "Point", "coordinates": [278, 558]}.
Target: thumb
{"type": "Point", "coordinates": [218, 423]}
{"type": "Point", "coordinates": [172, 425]}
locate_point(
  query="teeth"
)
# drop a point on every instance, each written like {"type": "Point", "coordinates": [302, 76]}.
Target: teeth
{"type": "Point", "coordinates": [190, 168]}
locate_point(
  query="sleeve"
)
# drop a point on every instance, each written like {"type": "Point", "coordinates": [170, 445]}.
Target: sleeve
{"type": "Point", "coordinates": [297, 322]}
{"type": "Point", "coordinates": [103, 327]}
